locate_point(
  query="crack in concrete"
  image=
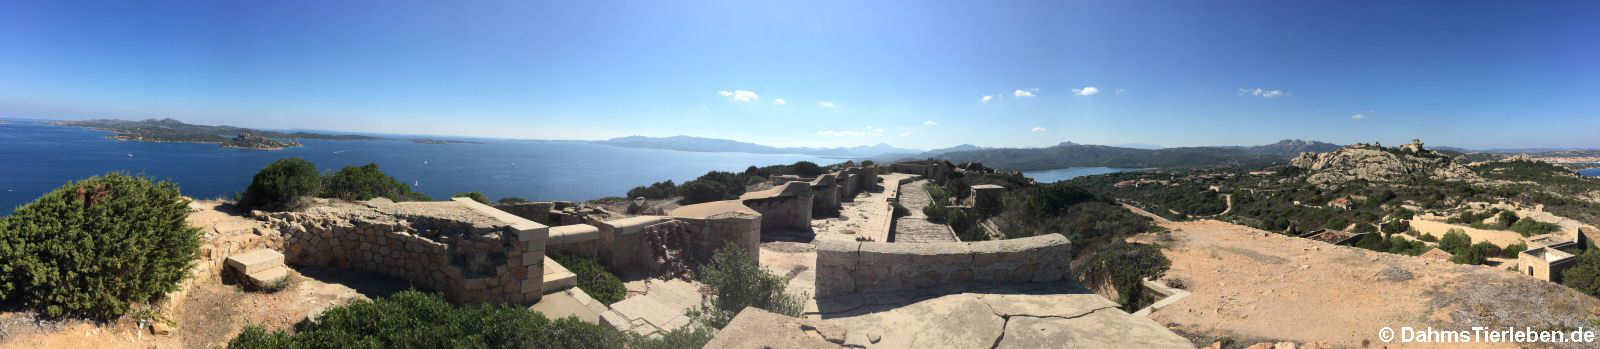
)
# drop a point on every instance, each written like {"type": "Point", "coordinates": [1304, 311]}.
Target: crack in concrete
{"type": "Point", "coordinates": [1006, 320]}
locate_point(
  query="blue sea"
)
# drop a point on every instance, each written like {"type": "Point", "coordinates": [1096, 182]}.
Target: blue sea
{"type": "Point", "coordinates": [37, 158]}
{"type": "Point", "coordinates": [1061, 174]}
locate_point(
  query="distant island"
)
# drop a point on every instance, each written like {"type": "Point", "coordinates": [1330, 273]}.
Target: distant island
{"type": "Point", "coordinates": [171, 130]}
{"type": "Point", "coordinates": [441, 141]}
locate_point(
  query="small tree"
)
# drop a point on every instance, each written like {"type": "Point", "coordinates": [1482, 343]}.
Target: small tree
{"type": "Point", "coordinates": [737, 282]}
{"type": "Point", "coordinates": [281, 184]}
{"type": "Point", "coordinates": [91, 247]}
{"type": "Point", "coordinates": [475, 196]}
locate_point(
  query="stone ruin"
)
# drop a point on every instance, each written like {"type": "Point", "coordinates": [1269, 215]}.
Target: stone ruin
{"type": "Point", "coordinates": [468, 251]}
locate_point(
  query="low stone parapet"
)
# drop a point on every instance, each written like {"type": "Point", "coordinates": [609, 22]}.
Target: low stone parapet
{"type": "Point", "coordinates": [848, 267]}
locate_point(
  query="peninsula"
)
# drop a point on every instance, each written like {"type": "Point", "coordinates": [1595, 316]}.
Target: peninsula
{"type": "Point", "coordinates": [172, 130]}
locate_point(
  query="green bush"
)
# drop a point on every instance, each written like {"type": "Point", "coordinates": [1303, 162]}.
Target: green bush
{"type": "Point", "coordinates": [806, 169]}
{"type": "Point", "coordinates": [475, 196]}
{"type": "Point", "coordinates": [1455, 241]}
{"type": "Point", "coordinates": [594, 279]}
{"type": "Point", "coordinates": [412, 319]}
{"type": "Point", "coordinates": [657, 190]}
{"type": "Point", "coordinates": [281, 184]}
{"type": "Point", "coordinates": [1512, 250]}
{"type": "Point", "coordinates": [737, 282]}
{"type": "Point", "coordinates": [699, 191]}
{"type": "Point", "coordinates": [1531, 227]}
{"type": "Point", "coordinates": [1124, 266]}
{"type": "Point", "coordinates": [1585, 275]}
{"type": "Point", "coordinates": [1476, 254]}
{"type": "Point", "coordinates": [89, 248]}
{"type": "Point", "coordinates": [365, 183]}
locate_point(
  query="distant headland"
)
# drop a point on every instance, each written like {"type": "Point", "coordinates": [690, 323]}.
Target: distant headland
{"type": "Point", "coordinates": [170, 130]}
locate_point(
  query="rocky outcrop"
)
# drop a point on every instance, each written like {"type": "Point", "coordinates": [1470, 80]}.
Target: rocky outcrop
{"type": "Point", "coordinates": [1378, 164]}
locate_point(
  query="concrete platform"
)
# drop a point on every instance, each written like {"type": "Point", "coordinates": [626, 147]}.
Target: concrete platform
{"type": "Point", "coordinates": [571, 302]}
{"type": "Point", "coordinates": [262, 278]}
{"type": "Point", "coordinates": [253, 261]}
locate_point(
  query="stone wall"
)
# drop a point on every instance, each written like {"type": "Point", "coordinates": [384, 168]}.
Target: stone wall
{"type": "Point", "coordinates": [783, 208]}
{"type": "Point", "coordinates": [469, 251]}
{"type": "Point", "coordinates": [848, 267]}
{"type": "Point", "coordinates": [825, 195]}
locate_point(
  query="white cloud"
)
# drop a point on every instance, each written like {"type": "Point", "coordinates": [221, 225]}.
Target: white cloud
{"type": "Point", "coordinates": [905, 134]}
{"type": "Point", "coordinates": [1024, 93]}
{"type": "Point", "coordinates": [743, 96]}
{"type": "Point", "coordinates": [1038, 129]}
{"type": "Point", "coordinates": [1358, 116]}
{"type": "Point", "coordinates": [930, 123]}
{"type": "Point", "coordinates": [863, 132]}
{"type": "Point", "coordinates": [826, 104]}
{"type": "Point", "coordinates": [1086, 91]}
{"type": "Point", "coordinates": [1263, 93]}
{"type": "Point", "coordinates": [986, 99]}
{"type": "Point", "coordinates": [779, 101]}
{"type": "Point", "coordinates": [1121, 91]}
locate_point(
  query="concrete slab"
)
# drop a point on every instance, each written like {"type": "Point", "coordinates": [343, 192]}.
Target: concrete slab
{"type": "Point", "coordinates": [557, 277]}
{"type": "Point", "coordinates": [255, 260]}
{"type": "Point", "coordinates": [261, 278]}
{"type": "Point", "coordinates": [567, 303]}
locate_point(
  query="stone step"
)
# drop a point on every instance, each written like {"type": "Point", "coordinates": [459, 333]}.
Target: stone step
{"type": "Point", "coordinates": [252, 261]}
{"type": "Point", "coordinates": [264, 277]}
{"type": "Point", "coordinates": [557, 277]}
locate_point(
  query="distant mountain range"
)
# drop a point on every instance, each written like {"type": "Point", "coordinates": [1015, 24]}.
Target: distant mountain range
{"type": "Point", "coordinates": [1068, 154]}
{"type": "Point", "coordinates": [698, 144]}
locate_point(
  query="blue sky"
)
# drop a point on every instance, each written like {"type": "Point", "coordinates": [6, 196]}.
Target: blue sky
{"type": "Point", "coordinates": [917, 74]}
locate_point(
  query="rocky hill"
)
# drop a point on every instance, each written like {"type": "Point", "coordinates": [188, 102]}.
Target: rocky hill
{"type": "Point", "coordinates": [1380, 164]}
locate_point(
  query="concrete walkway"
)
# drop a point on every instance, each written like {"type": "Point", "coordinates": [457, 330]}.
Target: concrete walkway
{"type": "Point", "coordinates": [916, 228]}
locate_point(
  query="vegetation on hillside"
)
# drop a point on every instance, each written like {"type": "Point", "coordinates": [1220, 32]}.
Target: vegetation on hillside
{"type": "Point", "coordinates": [1124, 266]}
{"type": "Point", "coordinates": [736, 282]}
{"type": "Point", "coordinates": [412, 319]}
{"type": "Point", "coordinates": [91, 247]}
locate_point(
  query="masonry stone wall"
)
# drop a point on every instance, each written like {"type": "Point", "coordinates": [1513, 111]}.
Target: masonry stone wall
{"type": "Point", "coordinates": [849, 267]}
{"type": "Point", "coordinates": [469, 262]}
{"type": "Point", "coordinates": [825, 194]}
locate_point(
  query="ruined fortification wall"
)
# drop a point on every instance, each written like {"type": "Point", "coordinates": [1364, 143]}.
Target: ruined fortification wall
{"type": "Point", "coordinates": [468, 262]}
{"type": "Point", "coordinates": [864, 267]}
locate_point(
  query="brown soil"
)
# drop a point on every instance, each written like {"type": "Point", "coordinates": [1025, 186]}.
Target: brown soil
{"type": "Point", "coordinates": [1248, 283]}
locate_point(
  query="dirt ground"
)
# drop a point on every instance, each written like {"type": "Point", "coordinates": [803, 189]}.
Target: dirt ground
{"type": "Point", "coordinates": [1251, 285]}
{"type": "Point", "coordinates": [210, 311]}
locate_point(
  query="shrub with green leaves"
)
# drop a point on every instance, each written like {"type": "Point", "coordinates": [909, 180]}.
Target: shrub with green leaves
{"type": "Point", "coordinates": [412, 319]}
{"type": "Point", "coordinates": [1585, 274]}
{"type": "Point", "coordinates": [737, 282]}
{"type": "Point", "coordinates": [281, 184]}
{"type": "Point", "coordinates": [1124, 266]}
{"type": "Point", "coordinates": [91, 247]}
{"type": "Point", "coordinates": [1455, 241]}
{"type": "Point", "coordinates": [593, 278]}
{"type": "Point", "coordinates": [365, 183]}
